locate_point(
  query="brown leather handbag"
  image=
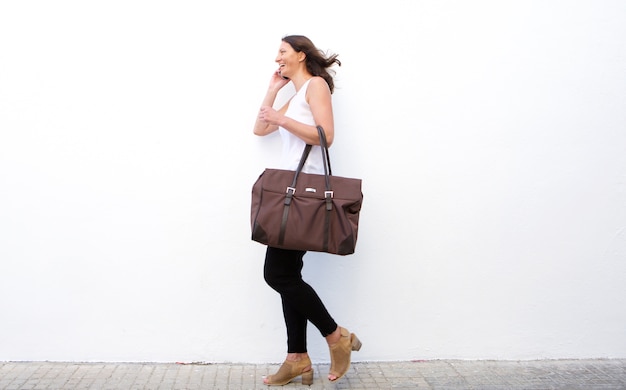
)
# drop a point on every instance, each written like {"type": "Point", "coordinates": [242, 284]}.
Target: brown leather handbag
{"type": "Point", "coordinates": [303, 211]}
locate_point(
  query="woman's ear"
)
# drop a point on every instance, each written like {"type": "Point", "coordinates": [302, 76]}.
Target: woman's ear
{"type": "Point", "coordinates": [301, 56]}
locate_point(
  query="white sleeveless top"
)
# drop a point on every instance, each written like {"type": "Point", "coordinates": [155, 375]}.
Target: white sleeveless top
{"type": "Point", "coordinates": [293, 146]}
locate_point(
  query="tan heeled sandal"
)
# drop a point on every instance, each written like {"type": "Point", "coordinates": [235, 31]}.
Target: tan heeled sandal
{"type": "Point", "coordinates": [340, 353]}
{"type": "Point", "coordinates": [289, 370]}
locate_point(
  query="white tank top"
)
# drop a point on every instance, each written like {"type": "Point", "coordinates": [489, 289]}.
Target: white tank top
{"type": "Point", "coordinates": [293, 146]}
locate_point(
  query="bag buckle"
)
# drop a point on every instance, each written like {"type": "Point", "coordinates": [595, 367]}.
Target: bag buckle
{"type": "Point", "coordinates": [329, 203]}
{"type": "Point", "coordinates": [290, 190]}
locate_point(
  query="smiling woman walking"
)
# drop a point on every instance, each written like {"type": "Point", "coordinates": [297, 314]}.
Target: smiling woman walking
{"type": "Point", "coordinates": [301, 63]}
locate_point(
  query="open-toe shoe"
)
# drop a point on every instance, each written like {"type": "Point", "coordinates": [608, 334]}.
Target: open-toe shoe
{"type": "Point", "coordinates": [289, 370]}
{"type": "Point", "coordinates": [340, 354]}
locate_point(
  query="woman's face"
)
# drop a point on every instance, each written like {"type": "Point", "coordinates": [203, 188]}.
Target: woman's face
{"type": "Point", "coordinates": [288, 60]}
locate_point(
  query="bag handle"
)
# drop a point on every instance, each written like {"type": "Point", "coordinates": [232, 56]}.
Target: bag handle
{"type": "Point", "coordinates": [324, 147]}
{"type": "Point", "coordinates": [328, 194]}
{"type": "Point", "coordinates": [325, 159]}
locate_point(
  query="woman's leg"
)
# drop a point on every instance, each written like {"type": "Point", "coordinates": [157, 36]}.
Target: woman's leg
{"type": "Point", "coordinates": [283, 272]}
{"type": "Point", "coordinates": [296, 329]}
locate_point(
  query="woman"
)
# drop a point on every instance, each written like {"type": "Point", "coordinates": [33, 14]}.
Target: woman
{"type": "Point", "coordinates": [301, 63]}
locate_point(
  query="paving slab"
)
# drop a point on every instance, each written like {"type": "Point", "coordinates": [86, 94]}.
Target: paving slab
{"type": "Point", "coordinates": [590, 374]}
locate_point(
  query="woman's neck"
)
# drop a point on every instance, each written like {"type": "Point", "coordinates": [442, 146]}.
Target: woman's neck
{"type": "Point", "coordinates": [300, 79]}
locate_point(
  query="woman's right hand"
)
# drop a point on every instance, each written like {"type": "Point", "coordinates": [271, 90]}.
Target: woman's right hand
{"type": "Point", "coordinates": [277, 81]}
{"type": "Point", "coordinates": [267, 119]}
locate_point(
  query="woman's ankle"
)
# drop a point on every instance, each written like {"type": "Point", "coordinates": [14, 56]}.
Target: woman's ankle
{"type": "Point", "coordinates": [296, 356]}
{"type": "Point", "coordinates": [334, 337]}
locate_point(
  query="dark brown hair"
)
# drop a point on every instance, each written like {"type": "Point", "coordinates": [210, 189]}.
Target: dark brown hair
{"type": "Point", "coordinates": [317, 62]}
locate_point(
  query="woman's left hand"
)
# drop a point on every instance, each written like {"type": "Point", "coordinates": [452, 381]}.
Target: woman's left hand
{"type": "Point", "coordinates": [269, 115]}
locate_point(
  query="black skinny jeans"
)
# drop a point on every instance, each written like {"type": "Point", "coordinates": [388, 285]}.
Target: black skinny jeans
{"type": "Point", "coordinates": [283, 273]}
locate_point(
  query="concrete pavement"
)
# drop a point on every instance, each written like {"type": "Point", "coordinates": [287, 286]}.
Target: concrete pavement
{"type": "Point", "coordinates": [432, 374]}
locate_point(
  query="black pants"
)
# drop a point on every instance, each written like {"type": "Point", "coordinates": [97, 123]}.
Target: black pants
{"type": "Point", "coordinates": [283, 273]}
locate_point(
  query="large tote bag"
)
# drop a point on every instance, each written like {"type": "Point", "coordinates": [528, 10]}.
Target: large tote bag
{"type": "Point", "coordinates": [311, 212]}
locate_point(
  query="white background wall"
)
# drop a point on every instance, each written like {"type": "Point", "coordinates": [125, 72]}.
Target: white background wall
{"type": "Point", "coordinates": [490, 137]}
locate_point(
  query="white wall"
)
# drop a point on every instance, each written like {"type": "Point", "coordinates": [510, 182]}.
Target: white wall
{"type": "Point", "coordinates": [490, 137]}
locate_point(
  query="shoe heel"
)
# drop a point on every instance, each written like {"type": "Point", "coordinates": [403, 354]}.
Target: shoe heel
{"type": "Point", "coordinates": [356, 343]}
{"type": "Point", "coordinates": [307, 377]}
